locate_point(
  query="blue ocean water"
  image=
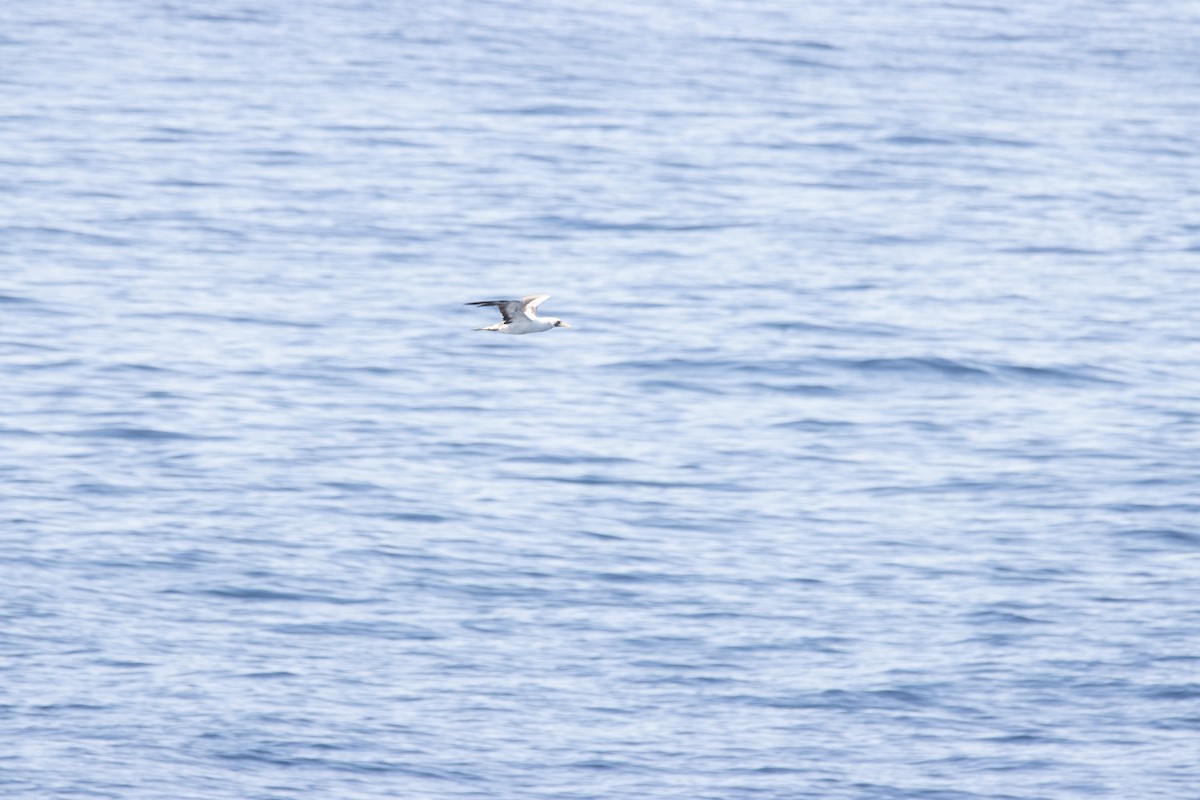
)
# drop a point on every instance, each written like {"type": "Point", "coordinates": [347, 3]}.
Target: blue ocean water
{"type": "Point", "coordinates": [869, 469]}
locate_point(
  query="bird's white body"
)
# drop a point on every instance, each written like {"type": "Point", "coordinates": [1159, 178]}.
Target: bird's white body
{"type": "Point", "coordinates": [519, 326]}
{"type": "Point", "coordinates": [520, 316]}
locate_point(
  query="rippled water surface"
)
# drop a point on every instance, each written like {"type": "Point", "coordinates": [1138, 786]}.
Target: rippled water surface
{"type": "Point", "coordinates": [869, 468]}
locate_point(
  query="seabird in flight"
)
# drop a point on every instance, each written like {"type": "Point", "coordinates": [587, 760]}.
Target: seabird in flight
{"type": "Point", "coordinates": [520, 316]}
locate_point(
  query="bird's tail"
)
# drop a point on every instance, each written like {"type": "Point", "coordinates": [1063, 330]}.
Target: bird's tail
{"type": "Point", "coordinates": [495, 327]}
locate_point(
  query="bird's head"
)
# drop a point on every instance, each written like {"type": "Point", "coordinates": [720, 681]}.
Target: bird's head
{"type": "Point", "coordinates": [558, 323]}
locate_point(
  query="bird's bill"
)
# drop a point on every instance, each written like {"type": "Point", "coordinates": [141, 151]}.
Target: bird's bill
{"type": "Point", "coordinates": [562, 324]}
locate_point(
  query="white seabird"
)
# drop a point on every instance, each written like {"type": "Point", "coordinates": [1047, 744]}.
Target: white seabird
{"type": "Point", "coordinates": [519, 315]}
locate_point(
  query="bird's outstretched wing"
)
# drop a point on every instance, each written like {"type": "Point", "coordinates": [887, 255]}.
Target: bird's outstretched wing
{"type": "Point", "coordinates": [530, 302]}
{"type": "Point", "coordinates": [509, 309]}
